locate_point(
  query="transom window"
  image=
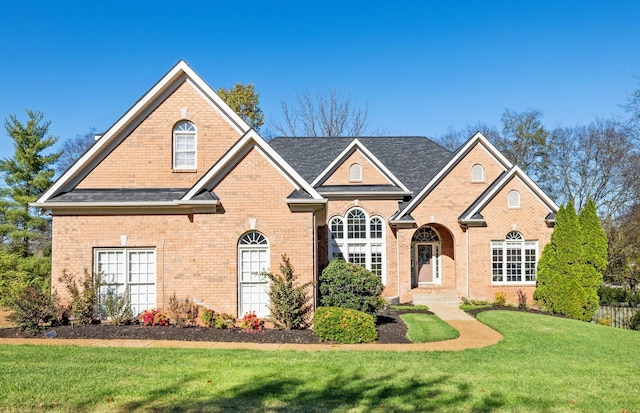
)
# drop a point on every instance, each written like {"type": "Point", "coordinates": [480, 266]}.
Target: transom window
{"type": "Point", "coordinates": [514, 260]}
{"type": "Point", "coordinates": [362, 243]}
{"type": "Point", "coordinates": [184, 146]}
{"type": "Point", "coordinates": [127, 271]}
{"type": "Point", "coordinates": [355, 172]}
{"type": "Point", "coordinates": [477, 173]}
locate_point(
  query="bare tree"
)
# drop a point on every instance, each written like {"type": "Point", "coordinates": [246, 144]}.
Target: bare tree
{"type": "Point", "coordinates": [322, 115]}
{"type": "Point", "coordinates": [600, 161]}
{"type": "Point", "coordinates": [74, 148]}
{"type": "Point", "coordinates": [454, 138]}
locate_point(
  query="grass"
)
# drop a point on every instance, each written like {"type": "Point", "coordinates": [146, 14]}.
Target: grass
{"type": "Point", "coordinates": [423, 328]}
{"type": "Point", "coordinates": [405, 307]}
{"type": "Point", "coordinates": [544, 364]}
{"type": "Point", "coordinates": [469, 307]}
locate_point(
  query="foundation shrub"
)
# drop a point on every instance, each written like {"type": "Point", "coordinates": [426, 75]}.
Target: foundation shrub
{"type": "Point", "coordinates": [500, 299]}
{"type": "Point", "coordinates": [182, 313]}
{"type": "Point", "coordinates": [209, 318]}
{"type": "Point", "coordinates": [344, 325]}
{"type": "Point", "coordinates": [290, 305]}
{"type": "Point", "coordinates": [117, 307]}
{"type": "Point", "coordinates": [347, 285]}
{"type": "Point", "coordinates": [251, 323]}
{"type": "Point", "coordinates": [522, 300]}
{"type": "Point", "coordinates": [83, 291]}
{"type": "Point", "coordinates": [32, 308]}
{"type": "Point", "coordinates": [153, 317]}
{"type": "Point", "coordinates": [634, 321]}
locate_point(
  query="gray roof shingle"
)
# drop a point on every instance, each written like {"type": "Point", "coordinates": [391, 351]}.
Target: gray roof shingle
{"type": "Point", "coordinates": [128, 195]}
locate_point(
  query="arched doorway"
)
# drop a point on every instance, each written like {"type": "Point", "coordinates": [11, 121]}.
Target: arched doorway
{"type": "Point", "coordinates": [426, 263]}
{"type": "Point", "coordinates": [253, 286]}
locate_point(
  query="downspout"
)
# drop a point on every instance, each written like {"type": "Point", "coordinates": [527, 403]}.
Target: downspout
{"type": "Point", "coordinates": [467, 239]}
{"type": "Point", "coordinates": [398, 261]}
{"type": "Point", "coordinates": [315, 260]}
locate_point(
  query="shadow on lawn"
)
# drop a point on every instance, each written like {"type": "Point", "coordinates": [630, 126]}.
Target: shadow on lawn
{"type": "Point", "coordinates": [341, 393]}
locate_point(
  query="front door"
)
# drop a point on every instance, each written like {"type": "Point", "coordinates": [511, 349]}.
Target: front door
{"type": "Point", "coordinates": [424, 260]}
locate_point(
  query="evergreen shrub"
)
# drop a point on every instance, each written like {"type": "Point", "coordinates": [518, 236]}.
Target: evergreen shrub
{"type": "Point", "coordinates": [347, 285]}
{"type": "Point", "coordinates": [344, 325]}
{"type": "Point", "coordinates": [289, 302]}
{"type": "Point", "coordinates": [32, 309]}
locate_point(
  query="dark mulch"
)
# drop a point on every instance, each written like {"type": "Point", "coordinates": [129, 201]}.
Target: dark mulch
{"type": "Point", "coordinates": [391, 329]}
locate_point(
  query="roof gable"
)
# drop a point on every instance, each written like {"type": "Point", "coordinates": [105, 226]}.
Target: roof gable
{"type": "Point", "coordinates": [110, 140]}
{"type": "Point", "coordinates": [250, 141]}
{"type": "Point", "coordinates": [461, 153]}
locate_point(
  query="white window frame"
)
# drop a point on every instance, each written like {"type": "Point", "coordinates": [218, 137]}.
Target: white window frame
{"type": "Point", "coordinates": [477, 173]}
{"type": "Point", "coordinates": [368, 249]}
{"type": "Point", "coordinates": [513, 199]}
{"type": "Point", "coordinates": [514, 260]}
{"type": "Point", "coordinates": [124, 279]}
{"type": "Point", "coordinates": [355, 172]}
{"type": "Point", "coordinates": [185, 130]}
{"type": "Point", "coordinates": [251, 280]}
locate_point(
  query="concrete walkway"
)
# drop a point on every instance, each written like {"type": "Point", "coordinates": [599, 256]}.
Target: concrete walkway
{"type": "Point", "coordinates": [473, 334]}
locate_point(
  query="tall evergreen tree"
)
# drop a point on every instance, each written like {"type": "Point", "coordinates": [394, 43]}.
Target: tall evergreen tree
{"type": "Point", "coordinates": [27, 175]}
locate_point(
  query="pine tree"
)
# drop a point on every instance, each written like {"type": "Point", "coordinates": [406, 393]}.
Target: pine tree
{"type": "Point", "coordinates": [27, 175]}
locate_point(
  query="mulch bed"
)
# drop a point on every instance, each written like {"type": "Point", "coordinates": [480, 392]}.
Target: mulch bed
{"type": "Point", "coordinates": [391, 329]}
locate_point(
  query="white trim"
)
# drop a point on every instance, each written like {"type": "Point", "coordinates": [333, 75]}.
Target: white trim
{"type": "Point", "coordinates": [478, 138]}
{"type": "Point", "coordinates": [348, 151]}
{"type": "Point", "coordinates": [515, 171]}
{"type": "Point", "coordinates": [167, 84]}
{"type": "Point", "coordinates": [514, 244]}
{"type": "Point", "coordinates": [250, 141]}
{"type": "Point", "coordinates": [185, 134]}
{"type": "Point", "coordinates": [265, 247]}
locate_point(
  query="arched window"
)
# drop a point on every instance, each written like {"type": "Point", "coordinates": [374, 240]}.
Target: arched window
{"type": "Point", "coordinates": [514, 259]}
{"type": "Point", "coordinates": [514, 199]}
{"type": "Point", "coordinates": [253, 286]}
{"type": "Point", "coordinates": [184, 146]}
{"type": "Point", "coordinates": [425, 234]}
{"type": "Point", "coordinates": [477, 173]}
{"type": "Point", "coordinates": [362, 243]}
{"type": "Point", "coordinates": [355, 172]}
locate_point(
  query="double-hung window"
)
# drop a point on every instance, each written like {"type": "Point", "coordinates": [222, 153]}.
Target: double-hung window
{"type": "Point", "coordinates": [184, 146]}
{"type": "Point", "coordinates": [127, 271]}
{"type": "Point", "coordinates": [514, 260]}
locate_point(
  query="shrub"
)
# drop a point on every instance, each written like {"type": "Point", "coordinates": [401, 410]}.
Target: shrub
{"type": "Point", "coordinates": [210, 318]}
{"type": "Point", "coordinates": [182, 313]}
{"type": "Point", "coordinates": [634, 322]}
{"type": "Point", "coordinates": [290, 305]}
{"type": "Point", "coordinates": [606, 321]}
{"type": "Point", "coordinates": [31, 308]}
{"type": "Point", "coordinates": [347, 285]}
{"type": "Point", "coordinates": [500, 299]}
{"type": "Point", "coordinates": [117, 307]}
{"type": "Point", "coordinates": [522, 300]}
{"type": "Point", "coordinates": [153, 317]}
{"type": "Point", "coordinates": [251, 323]}
{"type": "Point", "coordinates": [84, 295]}
{"type": "Point", "coordinates": [344, 325]}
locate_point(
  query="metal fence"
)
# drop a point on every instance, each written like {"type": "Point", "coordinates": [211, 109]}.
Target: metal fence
{"type": "Point", "coordinates": [618, 314]}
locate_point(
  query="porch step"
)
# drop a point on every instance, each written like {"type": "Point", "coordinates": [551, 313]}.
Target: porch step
{"type": "Point", "coordinates": [443, 297]}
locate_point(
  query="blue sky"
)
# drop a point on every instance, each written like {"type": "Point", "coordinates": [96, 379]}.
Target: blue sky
{"type": "Point", "coordinates": [418, 66]}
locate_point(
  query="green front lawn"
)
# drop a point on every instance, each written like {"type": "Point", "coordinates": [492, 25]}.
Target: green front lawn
{"type": "Point", "coordinates": [544, 364]}
{"type": "Point", "coordinates": [423, 328]}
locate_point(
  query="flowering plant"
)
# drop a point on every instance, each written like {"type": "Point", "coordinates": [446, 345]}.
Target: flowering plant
{"type": "Point", "coordinates": [251, 323]}
{"type": "Point", "coordinates": [153, 317]}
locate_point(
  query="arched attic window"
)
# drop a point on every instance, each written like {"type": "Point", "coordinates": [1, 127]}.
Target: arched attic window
{"type": "Point", "coordinates": [514, 199]}
{"type": "Point", "coordinates": [477, 173]}
{"type": "Point", "coordinates": [355, 172]}
{"type": "Point", "coordinates": [184, 145]}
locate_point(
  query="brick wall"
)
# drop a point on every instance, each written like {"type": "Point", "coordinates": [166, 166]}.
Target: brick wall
{"type": "Point", "coordinates": [370, 174]}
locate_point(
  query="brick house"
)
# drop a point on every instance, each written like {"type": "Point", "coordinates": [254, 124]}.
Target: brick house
{"type": "Point", "coordinates": [181, 196]}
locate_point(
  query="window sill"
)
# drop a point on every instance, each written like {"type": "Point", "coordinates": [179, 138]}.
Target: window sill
{"type": "Point", "coordinates": [182, 171]}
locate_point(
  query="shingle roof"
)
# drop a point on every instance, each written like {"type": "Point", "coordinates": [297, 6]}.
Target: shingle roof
{"type": "Point", "coordinates": [127, 195]}
{"type": "Point", "coordinates": [413, 159]}
{"type": "Point", "coordinates": [359, 188]}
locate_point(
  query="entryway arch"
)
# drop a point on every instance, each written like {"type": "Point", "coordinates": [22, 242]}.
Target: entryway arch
{"type": "Point", "coordinates": [426, 261]}
{"type": "Point", "coordinates": [253, 286]}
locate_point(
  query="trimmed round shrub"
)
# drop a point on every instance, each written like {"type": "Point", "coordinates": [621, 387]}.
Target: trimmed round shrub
{"type": "Point", "coordinates": [344, 325]}
{"type": "Point", "coordinates": [634, 322]}
{"type": "Point", "coordinates": [347, 285]}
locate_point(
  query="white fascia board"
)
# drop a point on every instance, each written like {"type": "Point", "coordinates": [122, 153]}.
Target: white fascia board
{"type": "Point", "coordinates": [461, 153]}
{"type": "Point", "coordinates": [514, 172]}
{"type": "Point", "coordinates": [390, 195]}
{"type": "Point", "coordinates": [370, 156]}
{"type": "Point", "coordinates": [306, 201]}
{"type": "Point", "coordinates": [242, 147]}
{"type": "Point", "coordinates": [180, 69]}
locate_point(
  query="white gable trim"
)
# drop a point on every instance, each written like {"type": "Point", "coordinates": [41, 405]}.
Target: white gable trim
{"type": "Point", "coordinates": [122, 125]}
{"type": "Point", "coordinates": [515, 172]}
{"type": "Point", "coordinates": [251, 140]}
{"type": "Point", "coordinates": [478, 138]}
{"type": "Point", "coordinates": [348, 151]}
